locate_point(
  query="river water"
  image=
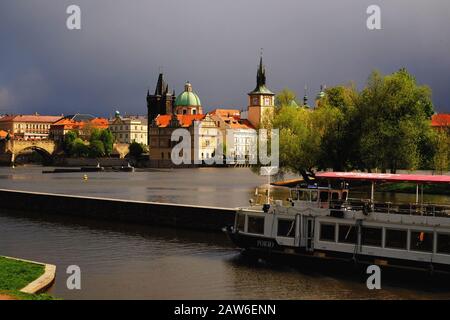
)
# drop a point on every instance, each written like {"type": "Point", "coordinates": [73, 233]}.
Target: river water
{"type": "Point", "coordinates": [125, 261]}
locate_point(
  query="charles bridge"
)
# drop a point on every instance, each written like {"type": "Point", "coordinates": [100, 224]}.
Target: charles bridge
{"type": "Point", "coordinates": [10, 149]}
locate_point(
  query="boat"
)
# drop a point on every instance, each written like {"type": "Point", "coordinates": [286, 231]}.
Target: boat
{"type": "Point", "coordinates": [321, 221]}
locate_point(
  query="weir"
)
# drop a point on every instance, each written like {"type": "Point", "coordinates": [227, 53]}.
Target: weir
{"type": "Point", "coordinates": [129, 211]}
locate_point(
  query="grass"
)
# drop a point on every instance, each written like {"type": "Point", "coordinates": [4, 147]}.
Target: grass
{"type": "Point", "coordinates": [15, 275]}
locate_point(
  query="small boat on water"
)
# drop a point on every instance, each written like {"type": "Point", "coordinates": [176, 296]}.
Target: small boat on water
{"type": "Point", "coordinates": [322, 221]}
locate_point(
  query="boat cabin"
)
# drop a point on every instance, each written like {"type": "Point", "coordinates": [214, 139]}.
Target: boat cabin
{"type": "Point", "coordinates": [323, 196]}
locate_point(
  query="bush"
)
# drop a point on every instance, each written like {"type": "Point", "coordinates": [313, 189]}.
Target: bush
{"type": "Point", "coordinates": [96, 149]}
{"type": "Point", "coordinates": [136, 149]}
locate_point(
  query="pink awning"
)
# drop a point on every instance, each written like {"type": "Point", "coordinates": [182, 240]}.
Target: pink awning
{"type": "Point", "coordinates": [385, 177]}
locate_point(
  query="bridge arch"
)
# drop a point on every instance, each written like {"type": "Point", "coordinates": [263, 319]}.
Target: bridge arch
{"type": "Point", "coordinates": [45, 148]}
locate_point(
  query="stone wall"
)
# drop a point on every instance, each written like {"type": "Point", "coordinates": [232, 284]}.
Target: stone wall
{"type": "Point", "coordinates": [149, 213]}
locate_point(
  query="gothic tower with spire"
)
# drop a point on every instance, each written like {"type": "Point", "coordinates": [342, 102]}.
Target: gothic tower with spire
{"type": "Point", "coordinates": [162, 102]}
{"type": "Point", "coordinates": [261, 99]}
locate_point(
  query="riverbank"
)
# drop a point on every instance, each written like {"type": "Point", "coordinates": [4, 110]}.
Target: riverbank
{"type": "Point", "coordinates": [24, 280]}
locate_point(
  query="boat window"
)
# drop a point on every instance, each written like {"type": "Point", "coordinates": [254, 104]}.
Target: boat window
{"type": "Point", "coordinates": [347, 233]}
{"type": "Point", "coordinates": [240, 225]}
{"type": "Point", "coordinates": [335, 196]}
{"type": "Point", "coordinates": [421, 241]}
{"type": "Point", "coordinates": [344, 195]}
{"type": "Point", "coordinates": [294, 194]}
{"type": "Point", "coordinates": [443, 244]}
{"type": "Point", "coordinates": [327, 232]}
{"type": "Point", "coordinates": [305, 195]}
{"type": "Point", "coordinates": [286, 228]}
{"type": "Point", "coordinates": [314, 196]}
{"type": "Point", "coordinates": [324, 196]}
{"type": "Point", "coordinates": [371, 236]}
{"type": "Point", "coordinates": [255, 225]}
{"type": "Point", "coordinates": [396, 239]}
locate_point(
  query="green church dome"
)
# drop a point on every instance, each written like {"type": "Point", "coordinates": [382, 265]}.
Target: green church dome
{"type": "Point", "coordinates": [188, 97]}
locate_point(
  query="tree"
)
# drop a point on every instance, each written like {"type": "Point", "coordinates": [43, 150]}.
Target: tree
{"type": "Point", "coordinates": [96, 149]}
{"type": "Point", "coordinates": [136, 149]}
{"type": "Point", "coordinates": [95, 134]}
{"type": "Point", "coordinates": [69, 138]}
{"type": "Point", "coordinates": [441, 157]}
{"type": "Point", "coordinates": [107, 138]}
{"type": "Point", "coordinates": [394, 113]}
{"type": "Point", "coordinates": [340, 128]}
{"type": "Point", "coordinates": [79, 148]}
{"type": "Point", "coordinates": [285, 98]}
{"type": "Point", "coordinates": [299, 144]}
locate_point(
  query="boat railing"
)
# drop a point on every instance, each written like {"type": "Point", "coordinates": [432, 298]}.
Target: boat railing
{"type": "Point", "coordinates": [421, 209]}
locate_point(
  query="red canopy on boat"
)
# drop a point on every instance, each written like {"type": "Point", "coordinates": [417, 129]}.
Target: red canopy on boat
{"type": "Point", "coordinates": [385, 177]}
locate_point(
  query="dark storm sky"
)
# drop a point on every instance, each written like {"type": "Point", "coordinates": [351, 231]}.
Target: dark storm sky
{"type": "Point", "coordinates": [115, 58]}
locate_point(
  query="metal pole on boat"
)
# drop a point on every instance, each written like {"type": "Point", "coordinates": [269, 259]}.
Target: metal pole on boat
{"type": "Point", "coordinates": [417, 193]}
{"type": "Point", "coordinates": [372, 192]}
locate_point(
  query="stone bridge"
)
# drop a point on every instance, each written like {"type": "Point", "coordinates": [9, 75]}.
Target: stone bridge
{"type": "Point", "coordinates": [11, 149]}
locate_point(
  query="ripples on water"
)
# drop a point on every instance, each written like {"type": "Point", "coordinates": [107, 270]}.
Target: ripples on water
{"type": "Point", "coordinates": [124, 261]}
{"type": "Point", "coordinates": [121, 261]}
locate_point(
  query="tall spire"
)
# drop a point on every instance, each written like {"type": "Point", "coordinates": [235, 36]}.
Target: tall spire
{"type": "Point", "coordinates": [305, 97]}
{"type": "Point", "coordinates": [161, 86]}
{"type": "Point", "coordinates": [261, 75]}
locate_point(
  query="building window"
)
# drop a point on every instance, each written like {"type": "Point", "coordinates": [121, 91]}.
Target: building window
{"type": "Point", "coordinates": [396, 239]}
{"type": "Point", "coordinates": [421, 241]}
{"type": "Point", "coordinates": [162, 155]}
{"type": "Point", "coordinates": [327, 232]}
{"type": "Point", "coordinates": [347, 233]}
{"type": "Point", "coordinates": [286, 228]}
{"type": "Point", "coordinates": [443, 243]}
{"type": "Point", "coordinates": [255, 225]}
{"type": "Point", "coordinates": [371, 236]}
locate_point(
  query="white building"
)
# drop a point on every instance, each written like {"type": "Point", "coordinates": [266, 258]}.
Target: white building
{"type": "Point", "coordinates": [129, 129]}
{"type": "Point", "coordinates": [239, 134]}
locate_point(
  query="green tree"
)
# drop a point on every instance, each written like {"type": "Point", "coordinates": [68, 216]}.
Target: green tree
{"type": "Point", "coordinates": [285, 98]}
{"type": "Point", "coordinates": [340, 128]}
{"type": "Point", "coordinates": [79, 148]}
{"type": "Point", "coordinates": [107, 138]}
{"type": "Point", "coordinates": [136, 149]}
{"type": "Point", "coordinates": [394, 113]}
{"type": "Point", "coordinates": [69, 138]}
{"type": "Point", "coordinates": [95, 134]}
{"type": "Point", "coordinates": [441, 157]}
{"type": "Point", "coordinates": [96, 149]}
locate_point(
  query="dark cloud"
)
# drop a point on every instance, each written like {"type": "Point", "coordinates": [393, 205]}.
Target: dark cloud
{"type": "Point", "coordinates": [116, 56]}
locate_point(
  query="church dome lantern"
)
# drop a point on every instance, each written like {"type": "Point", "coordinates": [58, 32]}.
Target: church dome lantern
{"type": "Point", "coordinates": [188, 101]}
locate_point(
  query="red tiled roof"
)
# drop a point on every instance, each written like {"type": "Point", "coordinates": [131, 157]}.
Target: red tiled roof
{"type": "Point", "coordinates": [440, 120]}
{"type": "Point", "coordinates": [30, 118]}
{"type": "Point", "coordinates": [226, 112]}
{"type": "Point", "coordinates": [100, 123]}
{"type": "Point", "coordinates": [233, 119]}
{"type": "Point", "coordinates": [69, 124]}
{"type": "Point", "coordinates": [3, 134]}
{"type": "Point", "coordinates": [185, 120]}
